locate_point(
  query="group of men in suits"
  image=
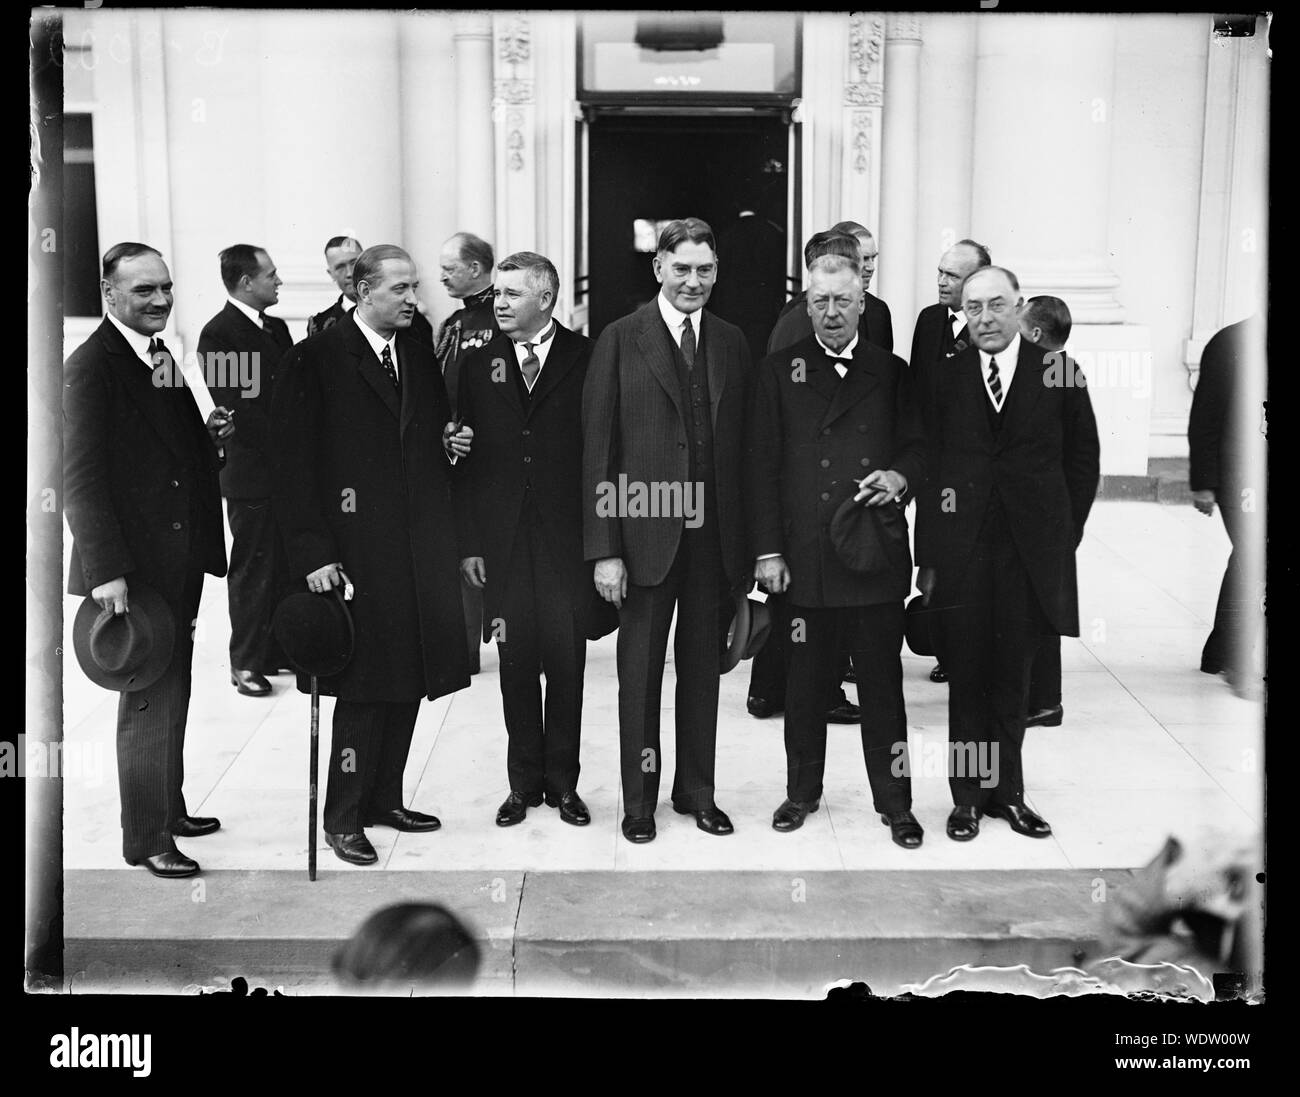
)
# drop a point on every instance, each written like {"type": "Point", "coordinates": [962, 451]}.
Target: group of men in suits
{"type": "Point", "coordinates": [382, 483]}
{"type": "Point", "coordinates": [1008, 589]}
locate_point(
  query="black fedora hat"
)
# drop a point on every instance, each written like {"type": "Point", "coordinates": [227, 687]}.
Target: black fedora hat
{"type": "Point", "coordinates": [751, 621]}
{"type": "Point", "coordinates": [870, 540]}
{"type": "Point", "coordinates": [128, 652]}
{"type": "Point", "coordinates": [923, 628]}
{"type": "Point", "coordinates": [315, 632]}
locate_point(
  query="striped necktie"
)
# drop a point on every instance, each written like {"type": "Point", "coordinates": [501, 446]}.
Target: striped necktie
{"type": "Point", "coordinates": [995, 383]}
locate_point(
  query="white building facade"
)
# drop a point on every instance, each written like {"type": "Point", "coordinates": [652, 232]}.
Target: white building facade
{"type": "Point", "coordinates": [1118, 162]}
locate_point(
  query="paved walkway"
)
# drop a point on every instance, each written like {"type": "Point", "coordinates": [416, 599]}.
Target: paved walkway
{"type": "Point", "coordinates": [1149, 745]}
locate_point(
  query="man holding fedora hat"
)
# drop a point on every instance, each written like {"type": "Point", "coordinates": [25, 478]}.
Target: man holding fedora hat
{"type": "Point", "coordinates": [142, 499]}
{"type": "Point", "coordinates": [834, 443]}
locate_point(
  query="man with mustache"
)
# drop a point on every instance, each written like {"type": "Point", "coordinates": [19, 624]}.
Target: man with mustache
{"type": "Point", "coordinates": [875, 325]}
{"type": "Point", "coordinates": [240, 348]}
{"type": "Point", "coordinates": [466, 263]}
{"type": "Point", "coordinates": [1014, 466]}
{"type": "Point", "coordinates": [833, 420]}
{"type": "Point", "coordinates": [142, 499]}
{"type": "Point", "coordinates": [363, 497]}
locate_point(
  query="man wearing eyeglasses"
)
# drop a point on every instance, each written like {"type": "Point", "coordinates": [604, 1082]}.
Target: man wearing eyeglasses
{"type": "Point", "coordinates": [1014, 460]}
{"type": "Point", "coordinates": [663, 414]}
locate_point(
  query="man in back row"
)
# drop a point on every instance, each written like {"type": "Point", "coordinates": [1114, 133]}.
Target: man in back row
{"type": "Point", "coordinates": [340, 257]}
{"type": "Point", "coordinates": [875, 324]}
{"type": "Point", "coordinates": [258, 576]}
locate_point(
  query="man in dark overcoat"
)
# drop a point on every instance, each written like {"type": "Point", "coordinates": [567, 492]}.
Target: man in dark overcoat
{"type": "Point", "coordinates": [833, 419]}
{"type": "Point", "coordinates": [362, 447]}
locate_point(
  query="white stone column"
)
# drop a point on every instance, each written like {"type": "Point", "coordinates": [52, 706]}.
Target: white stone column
{"type": "Point", "coordinates": [555, 71]}
{"type": "Point", "coordinates": [821, 117]}
{"type": "Point", "coordinates": [947, 124]}
{"type": "Point", "coordinates": [1042, 145]}
{"type": "Point", "coordinates": [895, 232]}
{"type": "Point", "coordinates": [331, 152]}
{"type": "Point", "coordinates": [428, 82]}
{"type": "Point", "coordinates": [475, 182]}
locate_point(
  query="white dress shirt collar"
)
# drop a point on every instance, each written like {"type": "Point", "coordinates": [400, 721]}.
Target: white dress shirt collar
{"type": "Point", "coordinates": [675, 318]}
{"type": "Point", "coordinates": [541, 342]}
{"type": "Point", "coordinates": [346, 303]}
{"type": "Point", "coordinates": [1007, 359]}
{"type": "Point", "coordinates": [846, 353]}
{"type": "Point", "coordinates": [378, 343]}
{"type": "Point", "coordinates": [138, 343]}
{"type": "Point", "coordinates": [956, 321]}
{"type": "Point", "coordinates": [248, 311]}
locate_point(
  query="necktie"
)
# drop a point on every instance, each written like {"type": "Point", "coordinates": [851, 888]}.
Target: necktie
{"type": "Point", "coordinates": [261, 319]}
{"type": "Point", "coordinates": [530, 366]}
{"type": "Point", "coordinates": [688, 342]}
{"type": "Point", "coordinates": [386, 360]}
{"type": "Point", "coordinates": [159, 355]}
{"type": "Point", "coordinates": [995, 383]}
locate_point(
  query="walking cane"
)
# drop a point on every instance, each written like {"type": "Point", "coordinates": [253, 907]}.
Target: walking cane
{"type": "Point", "coordinates": [311, 779]}
{"type": "Point", "coordinates": [313, 770]}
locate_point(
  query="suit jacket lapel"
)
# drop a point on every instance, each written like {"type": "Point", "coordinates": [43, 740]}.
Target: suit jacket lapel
{"type": "Point", "coordinates": [1026, 388]}
{"type": "Point", "coordinates": [717, 367]}
{"type": "Point", "coordinates": [855, 385]}
{"type": "Point", "coordinates": [655, 344]}
{"type": "Point", "coordinates": [412, 377]}
{"type": "Point", "coordinates": [967, 375]}
{"type": "Point", "coordinates": [559, 361]}
{"type": "Point", "coordinates": [370, 369]}
{"type": "Point", "coordinates": [502, 348]}
{"type": "Point", "coordinates": [138, 380]}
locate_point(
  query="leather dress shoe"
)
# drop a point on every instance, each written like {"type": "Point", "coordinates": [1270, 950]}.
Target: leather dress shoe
{"type": "Point", "coordinates": [515, 807]}
{"type": "Point", "coordinates": [711, 820]}
{"type": "Point", "coordinates": [903, 828]}
{"type": "Point", "coordinates": [194, 826]}
{"type": "Point", "coordinates": [355, 849]}
{"type": "Point", "coordinates": [404, 819]}
{"type": "Point", "coordinates": [763, 708]}
{"type": "Point", "coordinates": [1046, 717]}
{"type": "Point", "coordinates": [938, 674]}
{"type": "Point", "coordinates": [1022, 820]}
{"type": "Point", "coordinates": [639, 828]}
{"type": "Point", "coordinates": [572, 809]}
{"type": "Point", "coordinates": [844, 713]}
{"type": "Point", "coordinates": [172, 865]}
{"type": "Point", "coordinates": [250, 683]}
{"type": "Point", "coordinates": [963, 823]}
{"type": "Point", "coordinates": [791, 814]}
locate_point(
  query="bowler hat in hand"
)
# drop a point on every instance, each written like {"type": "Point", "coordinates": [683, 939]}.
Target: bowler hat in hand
{"type": "Point", "coordinates": [747, 632]}
{"type": "Point", "coordinates": [922, 628]}
{"type": "Point", "coordinates": [870, 540]}
{"type": "Point", "coordinates": [315, 632]}
{"type": "Point", "coordinates": [129, 652]}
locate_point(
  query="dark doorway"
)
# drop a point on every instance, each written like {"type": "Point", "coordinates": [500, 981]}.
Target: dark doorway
{"type": "Point", "coordinates": [645, 170]}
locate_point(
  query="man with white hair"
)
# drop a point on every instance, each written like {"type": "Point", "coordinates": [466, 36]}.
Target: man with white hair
{"type": "Point", "coordinates": [834, 428]}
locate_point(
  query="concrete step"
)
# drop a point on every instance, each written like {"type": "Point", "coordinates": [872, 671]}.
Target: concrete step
{"type": "Point", "coordinates": [587, 934]}
{"type": "Point", "coordinates": [1165, 482]}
